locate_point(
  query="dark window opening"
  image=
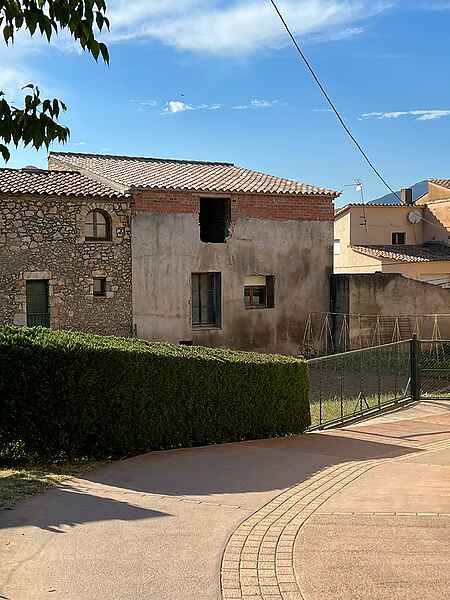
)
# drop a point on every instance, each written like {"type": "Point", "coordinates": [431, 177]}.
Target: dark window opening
{"type": "Point", "coordinates": [215, 216]}
{"type": "Point", "coordinates": [206, 299]}
{"type": "Point", "coordinates": [97, 227]}
{"type": "Point", "coordinates": [99, 287]}
{"type": "Point", "coordinates": [38, 312]}
{"type": "Point", "coordinates": [398, 238]}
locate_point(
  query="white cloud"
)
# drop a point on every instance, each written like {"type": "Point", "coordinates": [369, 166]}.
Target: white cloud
{"type": "Point", "coordinates": [238, 26]}
{"type": "Point", "coordinates": [420, 115]}
{"type": "Point", "coordinates": [255, 103]}
{"type": "Point", "coordinates": [12, 79]}
{"type": "Point", "coordinates": [263, 103]}
{"type": "Point", "coordinates": [176, 106]}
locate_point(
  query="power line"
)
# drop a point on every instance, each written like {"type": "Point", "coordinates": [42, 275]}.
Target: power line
{"type": "Point", "coordinates": [331, 103]}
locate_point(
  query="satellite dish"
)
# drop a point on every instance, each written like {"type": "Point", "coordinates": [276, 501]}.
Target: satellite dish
{"type": "Point", "coordinates": [414, 217]}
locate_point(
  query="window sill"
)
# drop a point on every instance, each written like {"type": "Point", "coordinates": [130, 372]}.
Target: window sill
{"type": "Point", "coordinates": [258, 307]}
{"type": "Point", "coordinates": [206, 328]}
{"type": "Point", "coordinates": [88, 241]}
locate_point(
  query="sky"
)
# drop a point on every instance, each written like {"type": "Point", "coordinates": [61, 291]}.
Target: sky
{"type": "Point", "coordinates": [220, 80]}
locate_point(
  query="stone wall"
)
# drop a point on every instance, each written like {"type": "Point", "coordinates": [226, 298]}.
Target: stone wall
{"type": "Point", "coordinates": [42, 237]}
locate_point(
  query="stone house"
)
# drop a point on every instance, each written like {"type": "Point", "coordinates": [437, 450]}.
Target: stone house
{"type": "Point", "coordinates": [65, 252]}
{"type": "Point", "coordinates": [220, 255]}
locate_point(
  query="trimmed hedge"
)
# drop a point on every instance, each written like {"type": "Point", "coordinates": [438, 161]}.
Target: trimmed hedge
{"type": "Point", "coordinates": [67, 394]}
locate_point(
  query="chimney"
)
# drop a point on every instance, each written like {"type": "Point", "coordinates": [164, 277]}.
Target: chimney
{"type": "Point", "coordinates": [406, 196]}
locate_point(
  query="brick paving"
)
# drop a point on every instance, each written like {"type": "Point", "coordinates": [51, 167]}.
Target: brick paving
{"type": "Point", "coordinates": [258, 561]}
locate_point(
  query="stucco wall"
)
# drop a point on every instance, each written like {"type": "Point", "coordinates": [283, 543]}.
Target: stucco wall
{"type": "Point", "coordinates": [167, 249]}
{"type": "Point", "coordinates": [42, 237]}
{"type": "Point", "coordinates": [390, 295]}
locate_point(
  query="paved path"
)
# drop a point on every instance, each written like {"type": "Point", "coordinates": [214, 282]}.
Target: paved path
{"type": "Point", "coordinates": [157, 527]}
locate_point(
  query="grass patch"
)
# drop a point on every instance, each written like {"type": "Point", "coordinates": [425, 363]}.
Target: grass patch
{"type": "Point", "coordinates": [331, 407]}
{"type": "Point", "coordinates": [18, 483]}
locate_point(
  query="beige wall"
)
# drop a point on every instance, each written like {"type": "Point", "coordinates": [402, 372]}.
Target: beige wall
{"type": "Point", "coordinates": [386, 294]}
{"type": "Point", "coordinates": [437, 212]}
{"type": "Point", "coordinates": [167, 249]}
{"type": "Point", "coordinates": [382, 221]}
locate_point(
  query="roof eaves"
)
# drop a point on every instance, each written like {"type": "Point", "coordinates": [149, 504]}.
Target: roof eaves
{"type": "Point", "coordinates": [217, 190]}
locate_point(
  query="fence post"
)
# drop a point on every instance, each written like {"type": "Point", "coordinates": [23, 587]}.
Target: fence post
{"type": "Point", "coordinates": [414, 366]}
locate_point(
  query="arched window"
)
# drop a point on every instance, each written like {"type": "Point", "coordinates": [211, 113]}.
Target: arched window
{"type": "Point", "coordinates": [97, 226]}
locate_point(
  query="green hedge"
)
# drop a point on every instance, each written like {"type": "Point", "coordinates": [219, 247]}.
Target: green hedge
{"type": "Point", "coordinates": [68, 394]}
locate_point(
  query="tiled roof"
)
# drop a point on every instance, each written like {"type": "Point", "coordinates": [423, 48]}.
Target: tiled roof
{"type": "Point", "coordinates": [423, 253]}
{"type": "Point", "coordinates": [54, 183]}
{"type": "Point", "coordinates": [157, 173]}
{"type": "Point", "coordinates": [340, 211]}
{"type": "Point", "coordinates": [442, 182]}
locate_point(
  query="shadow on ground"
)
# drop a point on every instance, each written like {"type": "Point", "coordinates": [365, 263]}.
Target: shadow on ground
{"type": "Point", "coordinates": [65, 507]}
{"type": "Point", "coordinates": [258, 466]}
{"type": "Point", "coordinates": [231, 473]}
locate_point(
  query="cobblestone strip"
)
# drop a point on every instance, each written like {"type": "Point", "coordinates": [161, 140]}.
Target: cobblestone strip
{"type": "Point", "coordinates": [258, 562]}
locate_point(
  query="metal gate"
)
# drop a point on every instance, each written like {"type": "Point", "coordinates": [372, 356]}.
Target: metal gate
{"type": "Point", "coordinates": [434, 369]}
{"type": "Point", "coordinates": [349, 385]}
{"type": "Point", "coordinates": [346, 386]}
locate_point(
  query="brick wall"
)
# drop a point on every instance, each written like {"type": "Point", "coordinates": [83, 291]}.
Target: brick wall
{"type": "Point", "coordinates": [43, 238]}
{"type": "Point", "coordinates": [256, 206]}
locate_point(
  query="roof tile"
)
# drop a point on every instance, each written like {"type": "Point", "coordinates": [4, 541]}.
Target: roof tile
{"type": "Point", "coordinates": [442, 182]}
{"type": "Point", "coordinates": [165, 174]}
{"type": "Point", "coordinates": [408, 253]}
{"type": "Point", "coordinates": [55, 183]}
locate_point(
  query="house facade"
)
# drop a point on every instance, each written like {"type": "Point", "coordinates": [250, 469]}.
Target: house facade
{"type": "Point", "coordinates": [61, 262]}
{"type": "Point", "coordinates": [406, 238]}
{"type": "Point", "coordinates": [218, 255]}
{"type": "Point", "coordinates": [437, 200]}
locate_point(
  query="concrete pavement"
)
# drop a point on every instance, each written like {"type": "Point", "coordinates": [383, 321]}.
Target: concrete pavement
{"type": "Point", "coordinates": [156, 526]}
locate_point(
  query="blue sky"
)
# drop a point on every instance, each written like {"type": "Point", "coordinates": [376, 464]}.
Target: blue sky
{"type": "Point", "coordinates": [218, 80]}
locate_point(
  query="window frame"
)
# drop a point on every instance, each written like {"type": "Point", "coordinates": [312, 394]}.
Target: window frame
{"type": "Point", "coordinates": [269, 294]}
{"type": "Point", "coordinates": [102, 292]}
{"type": "Point", "coordinates": [251, 289]}
{"type": "Point", "coordinates": [336, 247]}
{"type": "Point", "coordinates": [214, 291]}
{"type": "Point", "coordinates": [108, 227]}
{"type": "Point", "coordinates": [398, 233]}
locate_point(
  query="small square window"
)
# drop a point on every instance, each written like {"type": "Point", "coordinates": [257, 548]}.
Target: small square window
{"type": "Point", "coordinates": [259, 292]}
{"type": "Point", "coordinates": [99, 288]}
{"type": "Point", "coordinates": [255, 296]}
{"type": "Point", "coordinates": [398, 238]}
{"type": "Point", "coordinates": [337, 247]}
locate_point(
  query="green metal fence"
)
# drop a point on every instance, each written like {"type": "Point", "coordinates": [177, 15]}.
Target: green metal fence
{"type": "Point", "coordinates": [348, 385]}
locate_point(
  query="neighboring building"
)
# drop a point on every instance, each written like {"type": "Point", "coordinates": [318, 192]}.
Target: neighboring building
{"type": "Point", "coordinates": [407, 238]}
{"type": "Point", "coordinates": [65, 254]}
{"type": "Point", "coordinates": [221, 255]}
{"type": "Point", "coordinates": [437, 200]}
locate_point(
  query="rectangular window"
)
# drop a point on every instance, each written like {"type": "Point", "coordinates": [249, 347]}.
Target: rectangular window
{"type": "Point", "coordinates": [255, 296]}
{"type": "Point", "coordinates": [206, 299]}
{"type": "Point", "coordinates": [99, 287]}
{"type": "Point", "coordinates": [398, 238]}
{"type": "Point", "coordinates": [259, 291]}
{"type": "Point", "coordinates": [38, 312]}
{"type": "Point", "coordinates": [215, 215]}
{"type": "Point", "coordinates": [337, 247]}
